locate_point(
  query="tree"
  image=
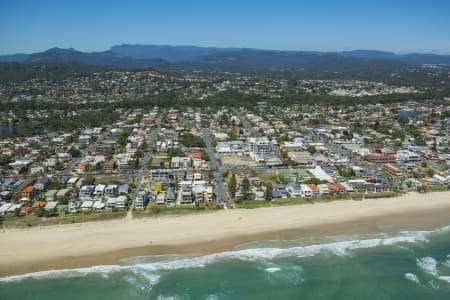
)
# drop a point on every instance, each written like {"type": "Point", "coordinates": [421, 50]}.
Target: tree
{"type": "Point", "coordinates": [88, 180]}
{"type": "Point", "coordinates": [245, 187]}
{"type": "Point", "coordinates": [311, 149]}
{"type": "Point", "coordinates": [268, 194]}
{"type": "Point", "coordinates": [204, 156]}
{"type": "Point", "coordinates": [232, 186]}
{"type": "Point", "coordinates": [64, 200]}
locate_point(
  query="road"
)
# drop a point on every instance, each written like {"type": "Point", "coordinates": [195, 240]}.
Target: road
{"type": "Point", "coordinates": [147, 154]}
{"type": "Point", "coordinates": [222, 195]}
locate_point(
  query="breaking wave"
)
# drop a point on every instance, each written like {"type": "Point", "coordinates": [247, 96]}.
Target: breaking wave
{"type": "Point", "coordinates": [149, 269]}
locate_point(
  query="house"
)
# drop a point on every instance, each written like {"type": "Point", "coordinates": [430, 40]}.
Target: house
{"type": "Point", "coordinates": [232, 147]}
{"type": "Point", "coordinates": [99, 190]}
{"type": "Point", "coordinates": [320, 173]}
{"type": "Point", "coordinates": [72, 181]}
{"type": "Point", "coordinates": [178, 162]}
{"type": "Point", "coordinates": [42, 183]}
{"type": "Point", "coordinates": [171, 195]}
{"type": "Point", "coordinates": [25, 210]}
{"type": "Point", "coordinates": [51, 206]}
{"type": "Point", "coordinates": [209, 194]}
{"type": "Point", "coordinates": [279, 191]}
{"type": "Point", "coordinates": [198, 193]}
{"type": "Point", "coordinates": [407, 156]}
{"type": "Point", "coordinates": [81, 167]}
{"type": "Point", "coordinates": [63, 193]}
{"type": "Point", "coordinates": [323, 189]}
{"type": "Point", "coordinates": [74, 205]}
{"type": "Point", "coordinates": [110, 165]}
{"type": "Point", "coordinates": [4, 208]}
{"type": "Point", "coordinates": [124, 188]}
{"type": "Point", "coordinates": [87, 205]}
{"type": "Point", "coordinates": [124, 164]}
{"type": "Point", "coordinates": [14, 208]}
{"type": "Point", "coordinates": [38, 204]}
{"type": "Point", "coordinates": [50, 195]}
{"type": "Point", "coordinates": [382, 187]}
{"type": "Point", "coordinates": [141, 200]}
{"type": "Point", "coordinates": [110, 190]}
{"type": "Point", "coordinates": [348, 188]}
{"type": "Point", "coordinates": [302, 159]}
{"type": "Point", "coordinates": [5, 196]}
{"type": "Point", "coordinates": [119, 202]}
{"type": "Point", "coordinates": [314, 189]}
{"type": "Point", "coordinates": [361, 186]}
{"type": "Point", "coordinates": [390, 169]}
{"type": "Point", "coordinates": [98, 206]}
{"type": "Point", "coordinates": [29, 192]}
{"type": "Point", "coordinates": [159, 174]}
{"type": "Point", "coordinates": [380, 158]}
{"type": "Point", "coordinates": [307, 192]}
{"type": "Point", "coordinates": [86, 191]}
{"type": "Point", "coordinates": [294, 189]}
{"type": "Point", "coordinates": [161, 198]}
{"type": "Point", "coordinates": [335, 188]}
{"type": "Point", "coordinates": [254, 181]}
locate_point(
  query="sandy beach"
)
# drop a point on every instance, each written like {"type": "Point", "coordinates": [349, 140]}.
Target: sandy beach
{"type": "Point", "coordinates": [107, 242]}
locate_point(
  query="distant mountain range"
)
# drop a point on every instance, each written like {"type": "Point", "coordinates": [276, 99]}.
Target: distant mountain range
{"type": "Point", "coordinates": [208, 59]}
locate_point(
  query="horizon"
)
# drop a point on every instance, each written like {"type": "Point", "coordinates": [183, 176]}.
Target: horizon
{"type": "Point", "coordinates": [229, 47]}
{"type": "Point", "coordinates": [400, 27]}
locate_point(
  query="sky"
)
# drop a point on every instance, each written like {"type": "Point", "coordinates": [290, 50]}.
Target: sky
{"type": "Point", "coordinates": [28, 26]}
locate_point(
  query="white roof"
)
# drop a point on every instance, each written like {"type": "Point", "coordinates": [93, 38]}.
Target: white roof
{"type": "Point", "coordinates": [319, 173]}
{"type": "Point", "coordinates": [87, 204]}
{"type": "Point", "coordinates": [5, 207]}
{"type": "Point", "coordinates": [98, 205]}
{"type": "Point", "coordinates": [14, 207]}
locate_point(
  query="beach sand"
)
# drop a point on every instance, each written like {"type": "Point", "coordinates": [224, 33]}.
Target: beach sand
{"type": "Point", "coordinates": [95, 243]}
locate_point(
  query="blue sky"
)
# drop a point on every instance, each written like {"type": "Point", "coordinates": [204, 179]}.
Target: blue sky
{"type": "Point", "coordinates": [395, 25]}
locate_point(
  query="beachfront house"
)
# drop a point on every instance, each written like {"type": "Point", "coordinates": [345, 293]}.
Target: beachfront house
{"type": "Point", "coordinates": [141, 200]}
{"type": "Point", "coordinates": [294, 189]}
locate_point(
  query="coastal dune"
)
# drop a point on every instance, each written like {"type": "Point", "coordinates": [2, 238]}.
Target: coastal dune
{"type": "Point", "coordinates": [86, 244]}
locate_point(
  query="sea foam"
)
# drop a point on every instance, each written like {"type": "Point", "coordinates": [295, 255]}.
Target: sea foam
{"type": "Point", "coordinates": [412, 277]}
{"type": "Point", "coordinates": [428, 265]}
{"type": "Point", "coordinates": [272, 270]}
{"type": "Point", "coordinates": [256, 254]}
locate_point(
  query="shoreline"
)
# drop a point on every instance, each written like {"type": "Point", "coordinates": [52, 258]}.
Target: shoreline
{"type": "Point", "coordinates": [108, 242]}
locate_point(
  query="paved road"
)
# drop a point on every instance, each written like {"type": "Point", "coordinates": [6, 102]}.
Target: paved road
{"type": "Point", "coordinates": [222, 195]}
{"type": "Point", "coordinates": [147, 154]}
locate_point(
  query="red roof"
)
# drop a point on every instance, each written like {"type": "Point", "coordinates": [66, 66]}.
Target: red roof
{"type": "Point", "coordinates": [25, 209]}
{"type": "Point", "coordinates": [28, 189]}
{"type": "Point", "coordinates": [37, 204]}
{"type": "Point", "coordinates": [312, 186]}
{"type": "Point", "coordinates": [193, 153]}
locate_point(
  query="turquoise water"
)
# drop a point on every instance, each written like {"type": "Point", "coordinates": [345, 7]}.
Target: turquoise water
{"type": "Point", "coordinates": [400, 265]}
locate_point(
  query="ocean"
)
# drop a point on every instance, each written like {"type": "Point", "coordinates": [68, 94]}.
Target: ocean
{"type": "Point", "coordinates": [396, 265]}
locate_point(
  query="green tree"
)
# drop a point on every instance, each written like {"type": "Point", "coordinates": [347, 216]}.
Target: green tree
{"type": "Point", "coordinates": [268, 194]}
{"type": "Point", "coordinates": [88, 180]}
{"type": "Point", "coordinates": [64, 200]}
{"type": "Point", "coordinates": [232, 186]}
{"type": "Point", "coordinates": [245, 188]}
{"type": "Point", "coordinates": [204, 156]}
{"type": "Point", "coordinates": [74, 152]}
{"type": "Point", "coordinates": [311, 149]}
